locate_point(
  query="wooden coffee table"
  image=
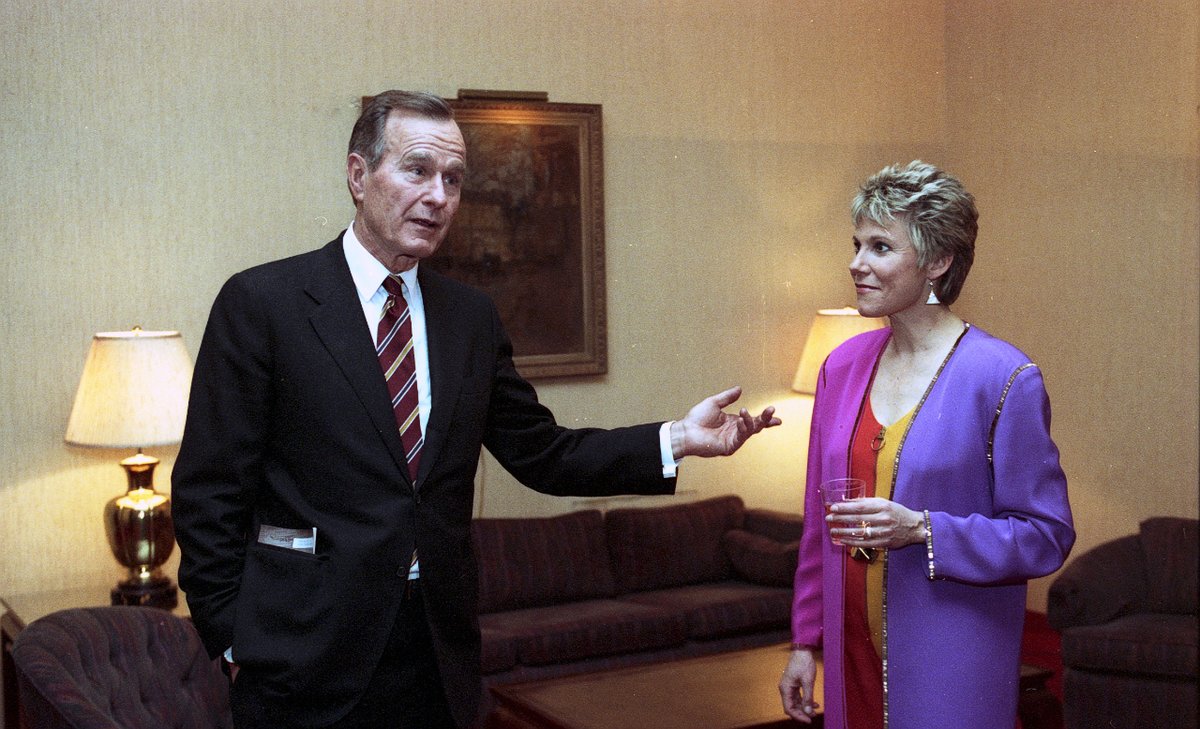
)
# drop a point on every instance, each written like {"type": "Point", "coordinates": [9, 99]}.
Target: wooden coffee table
{"type": "Point", "coordinates": [736, 690]}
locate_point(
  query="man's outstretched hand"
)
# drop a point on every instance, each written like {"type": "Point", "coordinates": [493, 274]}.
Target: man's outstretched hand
{"type": "Point", "coordinates": [707, 431]}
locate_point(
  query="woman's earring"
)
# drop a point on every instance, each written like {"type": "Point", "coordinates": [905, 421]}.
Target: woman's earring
{"type": "Point", "coordinates": [933, 298]}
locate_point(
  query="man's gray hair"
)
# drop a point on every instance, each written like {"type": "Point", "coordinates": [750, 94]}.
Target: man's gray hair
{"type": "Point", "coordinates": [369, 138]}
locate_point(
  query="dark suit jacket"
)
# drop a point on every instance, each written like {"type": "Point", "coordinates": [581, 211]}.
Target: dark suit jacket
{"type": "Point", "coordinates": [290, 424]}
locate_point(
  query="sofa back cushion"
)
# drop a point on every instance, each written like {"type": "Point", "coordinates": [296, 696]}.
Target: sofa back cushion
{"type": "Point", "coordinates": [1105, 582]}
{"type": "Point", "coordinates": [674, 545]}
{"type": "Point", "coordinates": [534, 562]}
{"type": "Point", "coordinates": [1172, 547]}
{"type": "Point", "coordinates": [760, 559]}
{"type": "Point", "coordinates": [781, 526]}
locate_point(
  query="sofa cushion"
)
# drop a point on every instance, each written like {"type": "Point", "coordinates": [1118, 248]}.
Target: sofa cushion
{"type": "Point", "coordinates": [1145, 643]}
{"type": "Point", "coordinates": [669, 546]}
{"type": "Point", "coordinates": [716, 609]}
{"type": "Point", "coordinates": [1172, 547]}
{"type": "Point", "coordinates": [533, 562]}
{"type": "Point", "coordinates": [761, 559]}
{"type": "Point", "coordinates": [1102, 700]}
{"type": "Point", "coordinates": [585, 629]}
{"type": "Point", "coordinates": [498, 651]}
{"type": "Point", "coordinates": [781, 526]}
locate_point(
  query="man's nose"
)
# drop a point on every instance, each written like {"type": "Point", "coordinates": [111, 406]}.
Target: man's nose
{"type": "Point", "coordinates": [436, 191]}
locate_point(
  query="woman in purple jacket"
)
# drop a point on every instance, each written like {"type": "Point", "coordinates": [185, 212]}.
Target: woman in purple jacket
{"type": "Point", "coordinates": [918, 612]}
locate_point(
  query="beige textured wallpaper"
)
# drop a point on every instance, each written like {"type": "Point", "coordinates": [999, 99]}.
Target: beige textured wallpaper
{"type": "Point", "coordinates": [152, 149]}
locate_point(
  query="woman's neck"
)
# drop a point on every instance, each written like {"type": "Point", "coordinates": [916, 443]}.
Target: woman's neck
{"type": "Point", "coordinates": [924, 330]}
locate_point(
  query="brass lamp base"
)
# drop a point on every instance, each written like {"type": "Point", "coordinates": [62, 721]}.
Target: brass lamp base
{"type": "Point", "coordinates": [158, 593]}
{"type": "Point", "coordinates": [141, 535]}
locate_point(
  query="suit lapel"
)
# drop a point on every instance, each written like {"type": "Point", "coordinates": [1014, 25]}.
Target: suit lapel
{"type": "Point", "coordinates": [338, 322]}
{"type": "Point", "coordinates": [447, 358]}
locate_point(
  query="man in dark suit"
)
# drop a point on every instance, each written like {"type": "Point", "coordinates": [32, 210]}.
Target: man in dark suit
{"type": "Point", "coordinates": [325, 553]}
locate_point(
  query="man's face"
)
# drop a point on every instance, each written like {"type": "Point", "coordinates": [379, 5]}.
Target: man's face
{"type": "Point", "coordinates": [406, 204]}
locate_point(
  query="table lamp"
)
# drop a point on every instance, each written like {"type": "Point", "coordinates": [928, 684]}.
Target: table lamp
{"type": "Point", "coordinates": [830, 328]}
{"type": "Point", "coordinates": [133, 394]}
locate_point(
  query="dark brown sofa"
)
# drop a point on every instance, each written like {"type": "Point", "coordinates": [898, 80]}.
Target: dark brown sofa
{"type": "Point", "coordinates": [587, 591]}
{"type": "Point", "coordinates": [1127, 610]}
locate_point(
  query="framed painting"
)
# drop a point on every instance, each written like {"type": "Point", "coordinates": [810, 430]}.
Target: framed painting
{"type": "Point", "coordinates": [530, 227]}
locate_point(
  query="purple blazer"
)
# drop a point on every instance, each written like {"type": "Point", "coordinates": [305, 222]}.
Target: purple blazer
{"type": "Point", "coordinates": [978, 456]}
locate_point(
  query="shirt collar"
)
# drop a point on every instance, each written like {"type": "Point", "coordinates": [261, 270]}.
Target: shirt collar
{"type": "Point", "coordinates": [367, 271]}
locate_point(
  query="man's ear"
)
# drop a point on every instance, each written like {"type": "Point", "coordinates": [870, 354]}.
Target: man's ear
{"type": "Point", "coordinates": [356, 172]}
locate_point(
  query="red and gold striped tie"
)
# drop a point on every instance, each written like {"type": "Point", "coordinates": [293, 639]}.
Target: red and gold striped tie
{"type": "Point", "coordinates": [395, 349]}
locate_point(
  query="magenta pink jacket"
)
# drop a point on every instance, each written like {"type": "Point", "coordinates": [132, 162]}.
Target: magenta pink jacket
{"type": "Point", "coordinates": [978, 456]}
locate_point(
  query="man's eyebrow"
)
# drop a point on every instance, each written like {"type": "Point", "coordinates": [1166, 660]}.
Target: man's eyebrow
{"type": "Point", "coordinates": [423, 156]}
{"type": "Point", "coordinates": [417, 155]}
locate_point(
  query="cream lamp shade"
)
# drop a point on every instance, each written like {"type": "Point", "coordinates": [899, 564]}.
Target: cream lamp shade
{"type": "Point", "coordinates": [830, 328]}
{"type": "Point", "coordinates": [133, 392]}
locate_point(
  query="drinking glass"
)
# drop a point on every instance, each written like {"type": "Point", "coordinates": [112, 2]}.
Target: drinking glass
{"type": "Point", "coordinates": [841, 489]}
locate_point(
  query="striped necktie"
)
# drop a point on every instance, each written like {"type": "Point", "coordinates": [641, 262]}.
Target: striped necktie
{"type": "Point", "coordinates": [395, 349]}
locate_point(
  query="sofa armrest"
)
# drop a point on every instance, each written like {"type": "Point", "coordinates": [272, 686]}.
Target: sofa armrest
{"type": "Point", "coordinates": [1105, 582]}
{"type": "Point", "coordinates": [781, 526]}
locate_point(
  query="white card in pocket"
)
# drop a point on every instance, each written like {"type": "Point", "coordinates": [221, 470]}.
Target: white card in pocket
{"type": "Point", "coordinates": [301, 540]}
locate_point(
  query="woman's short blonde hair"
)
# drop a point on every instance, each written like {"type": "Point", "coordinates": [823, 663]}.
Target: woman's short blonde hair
{"type": "Point", "coordinates": [939, 212]}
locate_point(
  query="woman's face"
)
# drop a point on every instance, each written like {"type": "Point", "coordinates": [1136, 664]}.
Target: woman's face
{"type": "Point", "coordinates": [886, 276]}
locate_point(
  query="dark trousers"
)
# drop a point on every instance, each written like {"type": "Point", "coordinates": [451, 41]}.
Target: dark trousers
{"type": "Point", "coordinates": [405, 691]}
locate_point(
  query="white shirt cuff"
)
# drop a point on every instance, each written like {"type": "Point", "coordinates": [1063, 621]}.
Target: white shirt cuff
{"type": "Point", "coordinates": [669, 464]}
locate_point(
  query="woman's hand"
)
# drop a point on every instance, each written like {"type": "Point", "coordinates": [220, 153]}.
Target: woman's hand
{"type": "Point", "coordinates": [875, 523]}
{"type": "Point", "coordinates": [796, 686]}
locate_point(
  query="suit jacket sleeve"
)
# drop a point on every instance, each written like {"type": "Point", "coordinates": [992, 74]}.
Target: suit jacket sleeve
{"type": "Point", "coordinates": [219, 461]}
{"type": "Point", "coordinates": [525, 438]}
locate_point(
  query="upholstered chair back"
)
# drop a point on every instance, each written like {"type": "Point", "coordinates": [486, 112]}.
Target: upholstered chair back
{"type": "Point", "coordinates": [118, 667]}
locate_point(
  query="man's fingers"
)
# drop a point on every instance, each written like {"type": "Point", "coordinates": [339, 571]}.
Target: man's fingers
{"type": "Point", "coordinates": [728, 397]}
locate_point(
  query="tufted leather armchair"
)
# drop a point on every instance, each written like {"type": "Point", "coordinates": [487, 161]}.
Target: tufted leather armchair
{"type": "Point", "coordinates": [1127, 610]}
{"type": "Point", "coordinates": [118, 668]}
